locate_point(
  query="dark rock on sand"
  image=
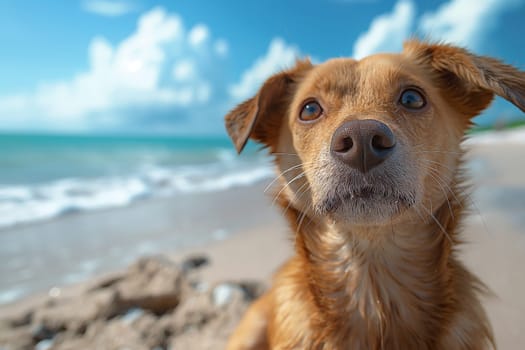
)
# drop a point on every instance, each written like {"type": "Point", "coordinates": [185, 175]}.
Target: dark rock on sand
{"type": "Point", "coordinates": [194, 262]}
{"type": "Point", "coordinates": [155, 304]}
{"type": "Point", "coordinates": [41, 332]}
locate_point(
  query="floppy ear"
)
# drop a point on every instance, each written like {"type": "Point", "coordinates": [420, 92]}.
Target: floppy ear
{"type": "Point", "coordinates": [260, 116]}
{"type": "Point", "coordinates": [469, 80]}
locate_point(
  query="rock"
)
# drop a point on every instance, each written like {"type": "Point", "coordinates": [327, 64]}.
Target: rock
{"type": "Point", "coordinates": [194, 339]}
{"type": "Point", "coordinates": [201, 287]}
{"type": "Point", "coordinates": [76, 313]}
{"type": "Point", "coordinates": [45, 344]}
{"type": "Point", "coordinates": [247, 290]}
{"type": "Point", "coordinates": [41, 332]}
{"type": "Point", "coordinates": [23, 319]}
{"type": "Point", "coordinates": [223, 293]}
{"type": "Point", "coordinates": [205, 322]}
{"type": "Point", "coordinates": [132, 314]}
{"type": "Point", "coordinates": [156, 284]}
{"type": "Point", "coordinates": [153, 305]}
{"type": "Point", "coordinates": [213, 333]}
{"type": "Point", "coordinates": [152, 336]}
{"type": "Point", "coordinates": [193, 262]}
{"type": "Point", "coordinates": [193, 313]}
{"type": "Point", "coordinates": [118, 333]}
{"type": "Point", "coordinates": [103, 336]}
{"type": "Point", "coordinates": [252, 289]}
{"type": "Point", "coordinates": [106, 282]}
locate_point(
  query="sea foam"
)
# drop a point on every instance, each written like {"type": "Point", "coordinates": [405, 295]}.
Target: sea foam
{"type": "Point", "coordinates": [29, 203]}
{"type": "Point", "coordinates": [511, 136]}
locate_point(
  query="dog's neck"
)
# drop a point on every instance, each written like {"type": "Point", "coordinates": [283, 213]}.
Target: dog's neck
{"type": "Point", "coordinates": [381, 287]}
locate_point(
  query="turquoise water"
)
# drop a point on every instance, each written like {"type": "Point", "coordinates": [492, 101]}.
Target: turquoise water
{"type": "Point", "coordinates": [28, 159]}
{"type": "Point", "coordinates": [44, 176]}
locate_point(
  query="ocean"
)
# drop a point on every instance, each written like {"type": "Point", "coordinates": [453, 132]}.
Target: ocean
{"type": "Point", "coordinates": [46, 176]}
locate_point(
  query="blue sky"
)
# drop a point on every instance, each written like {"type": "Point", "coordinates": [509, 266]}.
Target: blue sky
{"type": "Point", "coordinates": [178, 66]}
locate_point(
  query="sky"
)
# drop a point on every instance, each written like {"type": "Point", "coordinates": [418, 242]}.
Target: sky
{"type": "Point", "coordinates": [176, 67]}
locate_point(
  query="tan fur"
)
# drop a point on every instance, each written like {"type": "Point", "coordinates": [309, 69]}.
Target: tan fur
{"type": "Point", "coordinates": [384, 275]}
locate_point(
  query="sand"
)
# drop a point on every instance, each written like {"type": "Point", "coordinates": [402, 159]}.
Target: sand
{"type": "Point", "coordinates": [496, 235]}
{"type": "Point", "coordinates": [495, 232]}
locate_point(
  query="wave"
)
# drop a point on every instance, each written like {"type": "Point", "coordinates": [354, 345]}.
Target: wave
{"type": "Point", "coordinates": [511, 136]}
{"type": "Point", "coordinates": [29, 203]}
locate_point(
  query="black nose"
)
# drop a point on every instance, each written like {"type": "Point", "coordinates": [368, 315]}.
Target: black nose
{"type": "Point", "coordinates": [362, 144]}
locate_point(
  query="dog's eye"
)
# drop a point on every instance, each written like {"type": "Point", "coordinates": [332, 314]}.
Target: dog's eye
{"type": "Point", "coordinates": [311, 111]}
{"type": "Point", "coordinates": [412, 99]}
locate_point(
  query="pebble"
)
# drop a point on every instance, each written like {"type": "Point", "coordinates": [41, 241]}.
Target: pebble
{"type": "Point", "coordinates": [44, 344]}
{"type": "Point", "coordinates": [222, 294]}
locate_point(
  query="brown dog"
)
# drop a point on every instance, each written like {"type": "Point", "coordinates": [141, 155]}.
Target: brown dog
{"type": "Point", "coordinates": [369, 159]}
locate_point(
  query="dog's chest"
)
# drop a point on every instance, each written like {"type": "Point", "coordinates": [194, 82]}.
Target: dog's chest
{"type": "Point", "coordinates": [371, 301]}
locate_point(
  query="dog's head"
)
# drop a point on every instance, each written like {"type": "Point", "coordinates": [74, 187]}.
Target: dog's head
{"type": "Point", "coordinates": [366, 142]}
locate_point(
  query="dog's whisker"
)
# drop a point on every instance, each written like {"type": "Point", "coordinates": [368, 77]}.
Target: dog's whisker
{"type": "Point", "coordinates": [437, 151]}
{"type": "Point", "coordinates": [294, 167]}
{"type": "Point", "coordinates": [420, 149]}
{"type": "Point", "coordinates": [430, 161]}
{"type": "Point", "coordinates": [302, 217]}
{"type": "Point", "coordinates": [392, 230]}
{"type": "Point", "coordinates": [433, 217]}
{"type": "Point", "coordinates": [282, 175]}
{"type": "Point", "coordinates": [438, 182]}
{"type": "Point", "coordinates": [300, 176]}
{"type": "Point", "coordinates": [300, 192]}
{"type": "Point", "coordinates": [310, 207]}
{"type": "Point", "coordinates": [460, 202]}
{"type": "Point", "coordinates": [477, 210]}
{"type": "Point", "coordinates": [437, 174]}
{"type": "Point", "coordinates": [284, 154]}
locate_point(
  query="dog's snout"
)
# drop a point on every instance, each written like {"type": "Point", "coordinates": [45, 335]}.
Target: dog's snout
{"type": "Point", "coordinates": [363, 144]}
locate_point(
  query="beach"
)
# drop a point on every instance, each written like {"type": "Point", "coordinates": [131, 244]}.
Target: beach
{"type": "Point", "coordinates": [74, 247]}
{"type": "Point", "coordinates": [244, 238]}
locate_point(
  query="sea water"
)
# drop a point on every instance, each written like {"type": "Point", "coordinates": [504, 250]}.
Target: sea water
{"type": "Point", "coordinates": [45, 176]}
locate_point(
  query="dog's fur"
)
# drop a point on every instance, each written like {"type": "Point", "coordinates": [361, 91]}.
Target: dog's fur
{"type": "Point", "coordinates": [374, 270]}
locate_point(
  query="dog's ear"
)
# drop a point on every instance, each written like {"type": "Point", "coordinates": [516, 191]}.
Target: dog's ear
{"type": "Point", "coordinates": [469, 80]}
{"type": "Point", "coordinates": [260, 116]}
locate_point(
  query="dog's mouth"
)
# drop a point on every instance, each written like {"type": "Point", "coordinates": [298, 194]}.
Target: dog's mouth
{"type": "Point", "coordinates": [366, 192]}
{"type": "Point", "coordinates": [371, 203]}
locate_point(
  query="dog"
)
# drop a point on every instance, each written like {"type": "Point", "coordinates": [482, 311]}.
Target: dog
{"type": "Point", "coordinates": [371, 181]}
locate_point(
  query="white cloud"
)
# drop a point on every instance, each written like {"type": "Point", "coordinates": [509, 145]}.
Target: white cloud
{"type": "Point", "coordinates": [110, 8]}
{"type": "Point", "coordinates": [387, 32]}
{"type": "Point", "coordinates": [457, 21]}
{"type": "Point", "coordinates": [279, 56]}
{"type": "Point", "coordinates": [130, 78]}
{"type": "Point", "coordinates": [198, 35]}
{"type": "Point", "coordinates": [184, 70]}
{"type": "Point", "coordinates": [463, 22]}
